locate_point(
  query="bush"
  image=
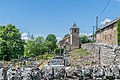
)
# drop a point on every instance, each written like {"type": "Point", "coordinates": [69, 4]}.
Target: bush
{"type": "Point", "coordinates": [118, 31]}
{"type": "Point", "coordinates": [84, 39]}
{"type": "Point", "coordinates": [57, 50]}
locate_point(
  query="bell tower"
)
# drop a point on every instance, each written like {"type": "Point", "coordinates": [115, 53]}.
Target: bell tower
{"type": "Point", "coordinates": [74, 36]}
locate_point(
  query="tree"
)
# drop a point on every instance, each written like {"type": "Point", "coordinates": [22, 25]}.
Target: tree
{"type": "Point", "coordinates": [29, 48]}
{"type": "Point", "coordinates": [35, 47]}
{"type": "Point", "coordinates": [84, 39]}
{"type": "Point", "coordinates": [50, 42]}
{"type": "Point", "coordinates": [57, 51]}
{"type": "Point", "coordinates": [39, 44]}
{"type": "Point", "coordinates": [11, 43]}
{"type": "Point", "coordinates": [118, 31]}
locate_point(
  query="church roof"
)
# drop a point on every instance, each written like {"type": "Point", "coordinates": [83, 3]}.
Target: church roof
{"type": "Point", "coordinates": [74, 25]}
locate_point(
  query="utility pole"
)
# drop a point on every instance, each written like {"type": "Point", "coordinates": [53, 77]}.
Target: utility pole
{"type": "Point", "coordinates": [99, 58]}
{"type": "Point", "coordinates": [94, 30]}
{"type": "Point", "coordinates": [93, 33]}
{"type": "Point", "coordinates": [96, 23]}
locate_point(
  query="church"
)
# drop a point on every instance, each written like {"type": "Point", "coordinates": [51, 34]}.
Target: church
{"type": "Point", "coordinates": [72, 41]}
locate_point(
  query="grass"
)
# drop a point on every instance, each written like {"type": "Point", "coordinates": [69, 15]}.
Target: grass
{"type": "Point", "coordinates": [41, 58]}
{"type": "Point", "coordinates": [82, 52]}
{"type": "Point", "coordinates": [46, 56]}
{"type": "Point", "coordinates": [80, 57]}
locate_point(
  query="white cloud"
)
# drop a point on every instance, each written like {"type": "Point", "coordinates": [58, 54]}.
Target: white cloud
{"type": "Point", "coordinates": [24, 36]}
{"type": "Point", "coordinates": [87, 34]}
{"type": "Point", "coordinates": [105, 21]}
{"type": "Point", "coordinates": [59, 38]}
{"type": "Point", "coordinates": [81, 34]}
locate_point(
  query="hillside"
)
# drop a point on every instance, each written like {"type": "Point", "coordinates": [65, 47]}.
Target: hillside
{"type": "Point", "coordinates": [80, 57]}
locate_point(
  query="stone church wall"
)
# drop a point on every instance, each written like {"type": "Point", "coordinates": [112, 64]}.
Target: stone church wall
{"type": "Point", "coordinates": [104, 54]}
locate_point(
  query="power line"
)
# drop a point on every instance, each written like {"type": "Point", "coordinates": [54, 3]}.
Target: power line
{"type": "Point", "coordinates": [101, 13]}
{"type": "Point", "coordinates": [104, 8]}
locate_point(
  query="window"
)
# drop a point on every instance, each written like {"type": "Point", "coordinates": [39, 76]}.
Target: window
{"type": "Point", "coordinates": [75, 30]}
{"type": "Point", "coordinates": [105, 37]}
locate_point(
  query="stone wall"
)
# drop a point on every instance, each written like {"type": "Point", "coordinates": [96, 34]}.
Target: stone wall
{"type": "Point", "coordinates": [105, 55]}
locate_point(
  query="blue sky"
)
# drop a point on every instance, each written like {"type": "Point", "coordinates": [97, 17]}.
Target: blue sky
{"type": "Point", "coordinates": [42, 17]}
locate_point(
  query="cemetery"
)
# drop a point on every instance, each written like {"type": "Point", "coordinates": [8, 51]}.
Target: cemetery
{"type": "Point", "coordinates": [54, 70]}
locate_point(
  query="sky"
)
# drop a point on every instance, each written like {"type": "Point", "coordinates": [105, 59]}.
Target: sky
{"type": "Point", "coordinates": [43, 17]}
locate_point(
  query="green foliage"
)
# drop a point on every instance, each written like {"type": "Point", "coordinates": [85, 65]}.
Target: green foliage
{"type": "Point", "coordinates": [94, 35]}
{"type": "Point", "coordinates": [39, 46]}
{"type": "Point", "coordinates": [57, 50]}
{"type": "Point", "coordinates": [35, 47]}
{"type": "Point", "coordinates": [84, 39]}
{"type": "Point", "coordinates": [45, 56]}
{"type": "Point", "coordinates": [11, 44]}
{"type": "Point", "coordinates": [29, 48]}
{"type": "Point", "coordinates": [118, 31]}
{"type": "Point", "coordinates": [50, 42]}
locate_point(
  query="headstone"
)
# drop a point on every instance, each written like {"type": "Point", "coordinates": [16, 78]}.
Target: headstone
{"type": "Point", "coordinates": [1, 65]}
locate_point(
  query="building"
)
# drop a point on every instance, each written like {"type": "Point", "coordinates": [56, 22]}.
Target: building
{"type": "Point", "coordinates": [108, 33]}
{"type": "Point", "coordinates": [72, 41]}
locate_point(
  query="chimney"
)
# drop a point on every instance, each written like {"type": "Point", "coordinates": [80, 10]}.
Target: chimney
{"type": "Point", "coordinates": [106, 22]}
